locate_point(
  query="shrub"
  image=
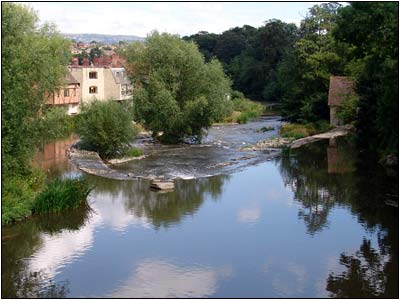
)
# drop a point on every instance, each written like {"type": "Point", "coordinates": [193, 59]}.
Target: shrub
{"type": "Point", "coordinates": [134, 152]}
{"type": "Point", "coordinates": [106, 127]}
{"type": "Point", "coordinates": [298, 131]}
{"type": "Point", "coordinates": [18, 194]}
{"type": "Point", "coordinates": [243, 109]}
{"type": "Point", "coordinates": [62, 194]}
{"type": "Point", "coordinates": [54, 124]}
{"type": "Point", "coordinates": [347, 111]}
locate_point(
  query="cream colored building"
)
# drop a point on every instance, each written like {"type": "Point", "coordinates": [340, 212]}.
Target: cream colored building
{"type": "Point", "coordinates": [117, 84]}
{"type": "Point", "coordinates": [92, 80]}
{"type": "Point", "coordinates": [102, 83]}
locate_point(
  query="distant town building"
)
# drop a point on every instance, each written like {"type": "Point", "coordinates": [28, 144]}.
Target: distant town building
{"type": "Point", "coordinates": [339, 88]}
{"type": "Point", "coordinates": [68, 96]}
{"type": "Point", "coordinates": [100, 81]}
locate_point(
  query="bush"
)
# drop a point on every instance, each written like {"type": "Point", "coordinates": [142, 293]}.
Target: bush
{"type": "Point", "coordinates": [247, 109]}
{"type": "Point", "coordinates": [134, 152]}
{"type": "Point", "coordinates": [299, 131]}
{"type": "Point", "coordinates": [62, 194]}
{"type": "Point", "coordinates": [106, 127]}
{"type": "Point", "coordinates": [18, 195]}
{"type": "Point", "coordinates": [347, 111]}
{"type": "Point", "coordinates": [55, 124]}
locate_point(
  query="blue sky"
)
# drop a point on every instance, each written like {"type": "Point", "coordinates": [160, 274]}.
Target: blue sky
{"type": "Point", "coordinates": [179, 18]}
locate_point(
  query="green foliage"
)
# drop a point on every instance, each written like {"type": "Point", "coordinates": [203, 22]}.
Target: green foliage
{"type": "Point", "coordinates": [134, 152]}
{"type": "Point", "coordinates": [18, 195]}
{"type": "Point", "coordinates": [243, 109]}
{"type": "Point", "coordinates": [347, 111]}
{"type": "Point", "coordinates": [250, 55]}
{"type": "Point", "coordinates": [265, 129]}
{"type": "Point", "coordinates": [62, 194]}
{"type": "Point", "coordinates": [178, 95]}
{"type": "Point", "coordinates": [95, 52]}
{"type": "Point", "coordinates": [298, 131]}
{"type": "Point", "coordinates": [248, 109]}
{"type": "Point", "coordinates": [54, 124]}
{"type": "Point", "coordinates": [303, 76]}
{"type": "Point", "coordinates": [106, 127]}
{"type": "Point", "coordinates": [33, 63]}
{"type": "Point", "coordinates": [371, 30]}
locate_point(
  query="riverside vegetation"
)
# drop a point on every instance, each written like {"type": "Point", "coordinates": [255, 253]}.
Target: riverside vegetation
{"type": "Point", "coordinates": [27, 50]}
{"type": "Point", "coordinates": [183, 86]}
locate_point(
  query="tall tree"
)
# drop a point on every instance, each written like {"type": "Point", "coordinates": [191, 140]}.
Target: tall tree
{"type": "Point", "coordinates": [34, 60]}
{"type": "Point", "coordinates": [372, 30]}
{"type": "Point", "coordinates": [177, 92]}
{"type": "Point", "coordinates": [303, 77]}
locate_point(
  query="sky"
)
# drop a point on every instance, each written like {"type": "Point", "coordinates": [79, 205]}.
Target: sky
{"type": "Point", "coordinates": [133, 18]}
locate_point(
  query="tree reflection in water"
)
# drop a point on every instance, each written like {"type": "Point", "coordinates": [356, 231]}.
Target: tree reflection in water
{"type": "Point", "coordinates": [306, 172]}
{"type": "Point", "coordinates": [161, 209]}
{"type": "Point", "coordinates": [338, 175]}
{"type": "Point", "coordinates": [23, 239]}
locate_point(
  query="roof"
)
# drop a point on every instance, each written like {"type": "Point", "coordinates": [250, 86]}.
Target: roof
{"type": "Point", "coordinates": [339, 87]}
{"type": "Point", "coordinates": [119, 75]}
{"type": "Point", "coordinates": [69, 79]}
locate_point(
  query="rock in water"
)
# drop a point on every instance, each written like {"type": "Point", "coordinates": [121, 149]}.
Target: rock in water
{"type": "Point", "coordinates": [162, 184]}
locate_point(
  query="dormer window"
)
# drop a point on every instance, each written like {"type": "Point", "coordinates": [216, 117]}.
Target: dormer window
{"type": "Point", "coordinates": [92, 75]}
{"type": "Point", "coordinates": [93, 90]}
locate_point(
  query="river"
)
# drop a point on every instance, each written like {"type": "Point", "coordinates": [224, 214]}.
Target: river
{"type": "Point", "coordinates": [318, 221]}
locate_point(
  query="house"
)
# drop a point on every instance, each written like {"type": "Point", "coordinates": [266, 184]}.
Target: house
{"type": "Point", "coordinates": [339, 88]}
{"type": "Point", "coordinates": [118, 87]}
{"type": "Point", "coordinates": [68, 96]}
{"type": "Point", "coordinates": [100, 81]}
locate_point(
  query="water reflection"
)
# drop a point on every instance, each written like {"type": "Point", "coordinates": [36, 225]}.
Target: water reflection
{"type": "Point", "coordinates": [369, 273]}
{"type": "Point", "coordinates": [32, 251]}
{"type": "Point", "coordinates": [341, 178]}
{"type": "Point", "coordinates": [164, 279]}
{"type": "Point", "coordinates": [142, 203]}
{"type": "Point", "coordinates": [225, 236]}
{"type": "Point", "coordinates": [306, 171]}
{"type": "Point", "coordinates": [52, 158]}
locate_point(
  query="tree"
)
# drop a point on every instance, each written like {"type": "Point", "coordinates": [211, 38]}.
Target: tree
{"type": "Point", "coordinates": [303, 76]}
{"type": "Point", "coordinates": [95, 52]}
{"type": "Point", "coordinates": [106, 127]}
{"type": "Point", "coordinates": [34, 60]}
{"type": "Point", "coordinates": [371, 30]}
{"type": "Point", "coordinates": [177, 93]}
{"type": "Point", "coordinates": [206, 43]}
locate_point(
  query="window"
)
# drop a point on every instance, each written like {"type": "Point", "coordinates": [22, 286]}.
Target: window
{"type": "Point", "coordinates": [93, 90]}
{"type": "Point", "coordinates": [66, 93]}
{"type": "Point", "coordinates": [93, 75]}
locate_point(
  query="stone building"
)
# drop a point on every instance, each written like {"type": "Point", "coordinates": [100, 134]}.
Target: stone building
{"type": "Point", "coordinates": [339, 88]}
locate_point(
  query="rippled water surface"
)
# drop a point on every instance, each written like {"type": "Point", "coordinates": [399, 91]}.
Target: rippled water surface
{"type": "Point", "coordinates": [311, 223]}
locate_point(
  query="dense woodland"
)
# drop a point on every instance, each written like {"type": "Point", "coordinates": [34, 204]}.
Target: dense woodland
{"type": "Point", "coordinates": [291, 65]}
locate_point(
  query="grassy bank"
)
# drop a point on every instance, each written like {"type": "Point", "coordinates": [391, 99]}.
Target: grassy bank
{"type": "Point", "coordinates": [24, 196]}
{"type": "Point", "coordinates": [243, 109]}
{"type": "Point", "coordinates": [298, 131]}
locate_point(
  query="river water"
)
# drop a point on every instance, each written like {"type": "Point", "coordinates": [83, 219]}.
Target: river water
{"type": "Point", "coordinates": [318, 221]}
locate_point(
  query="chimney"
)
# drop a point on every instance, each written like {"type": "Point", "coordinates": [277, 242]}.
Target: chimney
{"type": "Point", "coordinates": [85, 62]}
{"type": "Point", "coordinates": [96, 61]}
{"type": "Point", "coordinates": [75, 62]}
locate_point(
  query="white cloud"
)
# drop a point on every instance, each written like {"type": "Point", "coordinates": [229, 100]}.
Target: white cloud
{"type": "Point", "coordinates": [181, 18]}
{"type": "Point", "coordinates": [249, 215]}
{"type": "Point", "coordinates": [162, 279]}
